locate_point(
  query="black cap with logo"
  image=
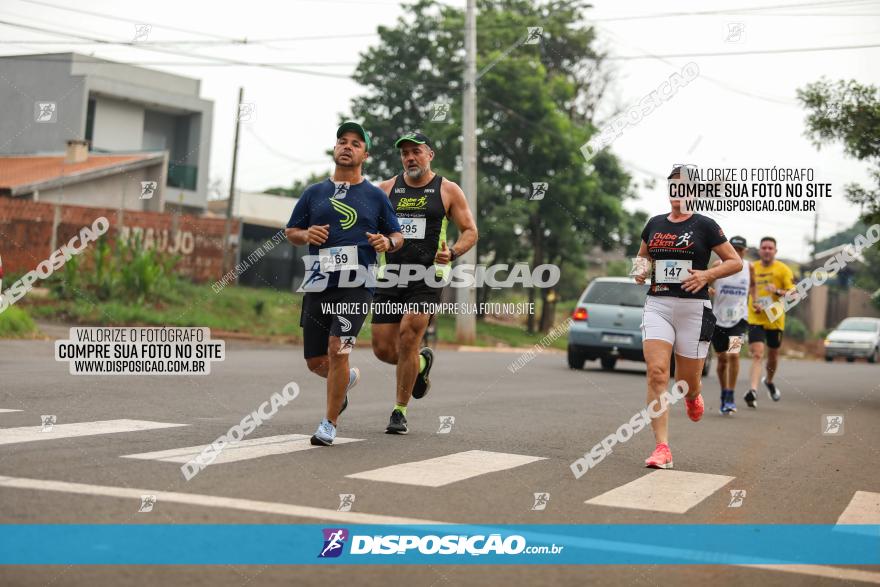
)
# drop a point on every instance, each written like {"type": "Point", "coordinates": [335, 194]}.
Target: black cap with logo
{"type": "Point", "coordinates": [414, 137]}
{"type": "Point", "coordinates": [738, 242]}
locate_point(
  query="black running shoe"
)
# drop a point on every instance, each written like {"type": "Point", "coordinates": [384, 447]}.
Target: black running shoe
{"type": "Point", "coordinates": [751, 399]}
{"type": "Point", "coordinates": [423, 383]}
{"type": "Point", "coordinates": [397, 424]}
{"type": "Point", "coordinates": [771, 389]}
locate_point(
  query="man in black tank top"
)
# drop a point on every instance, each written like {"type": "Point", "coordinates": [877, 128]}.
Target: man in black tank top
{"type": "Point", "coordinates": [424, 203]}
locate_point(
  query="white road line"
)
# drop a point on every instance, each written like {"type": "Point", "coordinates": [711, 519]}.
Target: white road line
{"type": "Point", "coordinates": [284, 509]}
{"type": "Point", "coordinates": [821, 571]}
{"type": "Point", "coordinates": [34, 433]}
{"type": "Point", "coordinates": [212, 501]}
{"type": "Point", "coordinates": [663, 491]}
{"type": "Point", "coordinates": [863, 508]}
{"type": "Point", "coordinates": [448, 469]}
{"type": "Point", "coordinates": [242, 451]}
{"type": "Point", "coordinates": [4, 411]}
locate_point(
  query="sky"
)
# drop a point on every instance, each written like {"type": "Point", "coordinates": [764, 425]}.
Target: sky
{"type": "Point", "coordinates": [740, 111]}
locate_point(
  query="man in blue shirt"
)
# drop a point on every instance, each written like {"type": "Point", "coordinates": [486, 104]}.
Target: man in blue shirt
{"type": "Point", "coordinates": [346, 221]}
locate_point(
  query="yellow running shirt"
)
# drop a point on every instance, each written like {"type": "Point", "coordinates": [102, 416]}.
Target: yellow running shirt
{"type": "Point", "coordinates": [768, 279]}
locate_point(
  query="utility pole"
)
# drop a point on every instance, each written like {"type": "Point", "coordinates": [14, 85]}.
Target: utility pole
{"type": "Point", "coordinates": [815, 236]}
{"type": "Point", "coordinates": [231, 201]}
{"type": "Point", "coordinates": [466, 322]}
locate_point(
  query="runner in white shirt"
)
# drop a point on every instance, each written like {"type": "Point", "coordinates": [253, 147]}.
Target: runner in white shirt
{"type": "Point", "coordinates": [730, 306]}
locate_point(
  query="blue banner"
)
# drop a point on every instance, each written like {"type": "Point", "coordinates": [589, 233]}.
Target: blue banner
{"type": "Point", "coordinates": [453, 544]}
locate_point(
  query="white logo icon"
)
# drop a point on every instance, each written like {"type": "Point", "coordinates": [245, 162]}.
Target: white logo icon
{"type": "Point", "coordinates": [335, 542]}
{"type": "Point", "coordinates": [539, 190]}
{"type": "Point", "coordinates": [147, 503]}
{"type": "Point", "coordinates": [541, 500]}
{"type": "Point", "coordinates": [534, 36]}
{"type": "Point", "coordinates": [246, 112]}
{"type": "Point", "coordinates": [832, 424]}
{"type": "Point", "coordinates": [346, 500]}
{"type": "Point", "coordinates": [148, 189]}
{"type": "Point", "coordinates": [346, 324]}
{"type": "Point", "coordinates": [48, 422]}
{"type": "Point", "coordinates": [441, 111]}
{"type": "Point", "coordinates": [347, 344]}
{"type": "Point", "coordinates": [736, 32]}
{"type": "Point", "coordinates": [446, 424]}
{"type": "Point", "coordinates": [341, 190]}
{"type": "Point", "coordinates": [45, 112]}
{"type": "Point", "coordinates": [141, 32]}
{"type": "Point", "coordinates": [684, 240]}
{"type": "Point", "coordinates": [737, 496]}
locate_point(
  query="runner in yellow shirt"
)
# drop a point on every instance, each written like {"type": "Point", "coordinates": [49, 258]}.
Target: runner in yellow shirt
{"type": "Point", "coordinates": [773, 279]}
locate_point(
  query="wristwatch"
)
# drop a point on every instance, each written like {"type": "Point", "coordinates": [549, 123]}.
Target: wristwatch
{"type": "Point", "coordinates": [452, 255]}
{"type": "Point", "coordinates": [390, 242]}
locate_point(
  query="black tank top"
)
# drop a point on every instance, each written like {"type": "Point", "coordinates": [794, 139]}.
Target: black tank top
{"type": "Point", "coordinates": [422, 219]}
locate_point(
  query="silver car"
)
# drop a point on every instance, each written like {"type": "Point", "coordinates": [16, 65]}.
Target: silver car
{"type": "Point", "coordinates": [854, 338]}
{"type": "Point", "coordinates": [606, 324]}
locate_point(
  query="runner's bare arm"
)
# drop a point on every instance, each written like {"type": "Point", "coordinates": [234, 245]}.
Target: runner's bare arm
{"type": "Point", "coordinates": [730, 264]}
{"type": "Point", "coordinates": [460, 213]}
{"type": "Point", "coordinates": [313, 235]}
{"type": "Point", "coordinates": [386, 185]}
{"type": "Point", "coordinates": [643, 252]}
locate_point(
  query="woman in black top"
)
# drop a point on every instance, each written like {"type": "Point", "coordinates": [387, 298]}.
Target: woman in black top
{"type": "Point", "coordinates": [678, 314]}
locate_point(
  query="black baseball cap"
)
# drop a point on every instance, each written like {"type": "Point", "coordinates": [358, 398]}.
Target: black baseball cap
{"type": "Point", "coordinates": [351, 125]}
{"type": "Point", "coordinates": [738, 242]}
{"type": "Point", "coordinates": [414, 137]}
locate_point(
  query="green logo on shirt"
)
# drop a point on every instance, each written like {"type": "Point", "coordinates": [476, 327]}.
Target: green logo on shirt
{"type": "Point", "coordinates": [349, 214]}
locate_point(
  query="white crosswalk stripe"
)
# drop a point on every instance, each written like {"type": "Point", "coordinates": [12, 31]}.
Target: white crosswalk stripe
{"type": "Point", "coordinates": [448, 469]}
{"type": "Point", "coordinates": [663, 491]}
{"type": "Point", "coordinates": [5, 411]}
{"type": "Point", "coordinates": [863, 508]}
{"type": "Point", "coordinates": [241, 451]}
{"type": "Point", "coordinates": [77, 429]}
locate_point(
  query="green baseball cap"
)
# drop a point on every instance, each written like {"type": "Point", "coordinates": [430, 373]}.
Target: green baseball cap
{"type": "Point", "coordinates": [351, 125]}
{"type": "Point", "coordinates": [414, 137]}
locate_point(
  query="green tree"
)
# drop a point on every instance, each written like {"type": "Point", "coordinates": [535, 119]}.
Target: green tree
{"type": "Point", "coordinates": [848, 112]}
{"type": "Point", "coordinates": [841, 238]}
{"type": "Point", "coordinates": [535, 107]}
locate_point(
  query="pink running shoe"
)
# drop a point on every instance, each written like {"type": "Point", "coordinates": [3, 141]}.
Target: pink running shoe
{"type": "Point", "coordinates": [695, 408]}
{"type": "Point", "coordinates": [661, 458]}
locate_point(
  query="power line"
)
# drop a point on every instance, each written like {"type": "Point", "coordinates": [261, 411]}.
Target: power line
{"type": "Point", "coordinates": [704, 76]}
{"type": "Point", "coordinates": [136, 45]}
{"type": "Point", "coordinates": [737, 53]}
{"type": "Point", "coordinates": [53, 57]}
{"type": "Point", "coordinates": [128, 20]}
{"type": "Point", "coordinates": [854, 4]}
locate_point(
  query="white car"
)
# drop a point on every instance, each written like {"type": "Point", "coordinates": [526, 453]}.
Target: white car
{"type": "Point", "coordinates": [854, 338]}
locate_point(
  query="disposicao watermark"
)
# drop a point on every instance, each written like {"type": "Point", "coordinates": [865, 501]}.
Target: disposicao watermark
{"type": "Point", "coordinates": [237, 433]}
{"type": "Point", "coordinates": [318, 269]}
{"type": "Point", "coordinates": [635, 113]}
{"type": "Point", "coordinates": [55, 261]}
{"type": "Point", "coordinates": [628, 429]}
{"type": "Point", "coordinates": [819, 276]}
{"type": "Point", "coordinates": [525, 358]}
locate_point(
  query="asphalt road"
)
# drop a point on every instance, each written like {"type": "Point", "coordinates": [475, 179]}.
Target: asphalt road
{"type": "Point", "coordinates": [791, 471]}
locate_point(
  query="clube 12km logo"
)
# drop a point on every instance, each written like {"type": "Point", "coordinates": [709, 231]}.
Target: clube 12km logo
{"type": "Point", "coordinates": [335, 540]}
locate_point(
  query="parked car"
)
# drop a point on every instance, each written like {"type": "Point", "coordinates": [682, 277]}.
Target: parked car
{"type": "Point", "coordinates": [856, 337]}
{"type": "Point", "coordinates": [606, 324]}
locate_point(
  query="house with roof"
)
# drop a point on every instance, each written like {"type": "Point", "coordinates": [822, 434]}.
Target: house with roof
{"type": "Point", "coordinates": [126, 116]}
{"type": "Point", "coordinates": [125, 181]}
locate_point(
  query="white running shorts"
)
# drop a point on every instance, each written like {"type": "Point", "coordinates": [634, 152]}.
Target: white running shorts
{"type": "Point", "coordinates": [686, 324]}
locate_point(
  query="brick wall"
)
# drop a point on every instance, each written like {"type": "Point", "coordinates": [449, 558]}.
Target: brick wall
{"type": "Point", "coordinates": [26, 237]}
